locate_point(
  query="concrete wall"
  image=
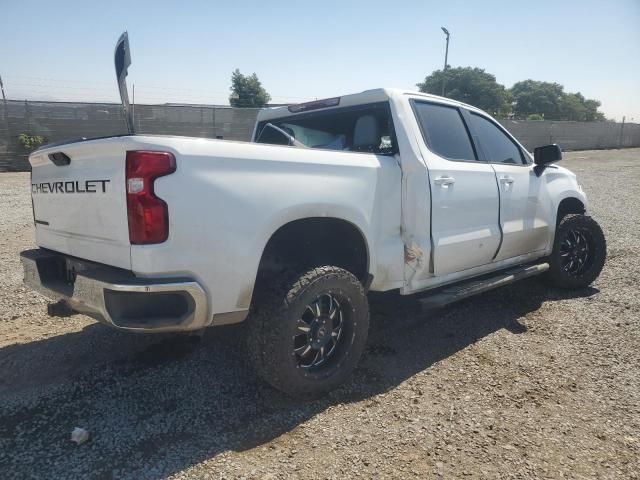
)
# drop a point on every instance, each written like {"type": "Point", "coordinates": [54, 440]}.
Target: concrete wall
{"type": "Point", "coordinates": [62, 121]}
{"type": "Point", "coordinates": [574, 135]}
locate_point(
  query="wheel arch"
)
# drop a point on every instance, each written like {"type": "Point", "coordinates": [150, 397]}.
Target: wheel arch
{"type": "Point", "coordinates": [315, 241]}
{"type": "Point", "coordinates": [569, 205]}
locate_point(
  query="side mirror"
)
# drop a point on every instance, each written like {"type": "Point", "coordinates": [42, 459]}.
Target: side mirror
{"type": "Point", "coordinates": [547, 154]}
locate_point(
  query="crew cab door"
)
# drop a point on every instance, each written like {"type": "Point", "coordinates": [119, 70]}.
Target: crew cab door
{"type": "Point", "coordinates": [523, 212]}
{"type": "Point", "coordinates": [465, 229]}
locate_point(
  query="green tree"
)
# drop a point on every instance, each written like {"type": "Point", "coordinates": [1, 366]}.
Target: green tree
{"type": "Point", "coordinates": [470, 85]}
{"type": "Point", "coordinates": [247, 91]}
{"type": "Point", "coordinates": [30, 142]}
{"type": "Point", "coordinates": [550, 101]}
{"type": "Point", "coordinates": [572, 107]}
{"type": "Point", "coordinates": [592, 114]}
{"type": "Point", "coordinates": [543, 98]}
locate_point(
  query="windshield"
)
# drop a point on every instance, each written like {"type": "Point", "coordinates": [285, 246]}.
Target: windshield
{"type": "Point", "coordinates": [365, 128]}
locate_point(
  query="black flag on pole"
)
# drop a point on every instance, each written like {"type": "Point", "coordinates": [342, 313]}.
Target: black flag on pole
{"type": "Point", "coordinates": [122, 61]}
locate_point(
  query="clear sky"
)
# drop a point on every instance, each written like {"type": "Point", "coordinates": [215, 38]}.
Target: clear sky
{"type": "Point", "coordinates": [185, 51]}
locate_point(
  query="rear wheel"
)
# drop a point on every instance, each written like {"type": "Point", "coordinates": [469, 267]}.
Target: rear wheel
{"type": "Point", "coordinates": [307, 332]}
{"type": "Point", "coordinates": [579, 252]}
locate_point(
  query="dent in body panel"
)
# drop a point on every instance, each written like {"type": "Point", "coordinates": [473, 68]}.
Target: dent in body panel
{"type": "Point", "coordinates": [415, 231]}
{"type": "Point", "coordinates": [413, 255]}
{"type": "Point", "coordinates": [386, 245]}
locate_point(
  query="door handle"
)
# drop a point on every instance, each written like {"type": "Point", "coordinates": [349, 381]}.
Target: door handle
{"type": "Point", "coordinates": [507, 179]}
{"type": "Point", "coordinates": [445, 181]}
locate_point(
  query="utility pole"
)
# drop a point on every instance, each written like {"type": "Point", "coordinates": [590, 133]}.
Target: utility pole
{"type": "Point", "coordinates": [4, 99]}
{"type": "Point", "coordinates": [621, 132]}
{"type": "Point", "coordinates": [446, 55]}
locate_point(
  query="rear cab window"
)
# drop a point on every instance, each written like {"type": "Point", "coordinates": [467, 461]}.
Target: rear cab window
{"type": "Point", "coordinates": [444, 131]}
{"type": "Point", "coordinates": [362, 128]}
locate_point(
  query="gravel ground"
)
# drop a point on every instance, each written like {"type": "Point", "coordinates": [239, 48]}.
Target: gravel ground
{"type": "Point", "coordinates": [522, 382]}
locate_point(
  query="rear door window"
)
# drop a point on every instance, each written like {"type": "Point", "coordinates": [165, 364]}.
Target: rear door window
{"type": "Point", "coordinates": [444, 131]}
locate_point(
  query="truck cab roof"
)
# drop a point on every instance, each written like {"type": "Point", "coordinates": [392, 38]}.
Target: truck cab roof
{"type": "Point", "coordinates": [362, 98]}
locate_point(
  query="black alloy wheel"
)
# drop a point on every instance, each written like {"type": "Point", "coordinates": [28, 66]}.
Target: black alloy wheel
{"type": "Point", "coordinates": [306, 332]}
{"type": "Point", "coordinates": [579, 252]}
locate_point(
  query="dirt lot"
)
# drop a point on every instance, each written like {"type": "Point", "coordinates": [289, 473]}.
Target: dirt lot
{"type": "Point", "coordinates": [523, 382]}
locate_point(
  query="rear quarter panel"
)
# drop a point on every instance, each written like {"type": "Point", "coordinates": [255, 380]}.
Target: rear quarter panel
{"type": "Point", "coordinates": [226, 199]}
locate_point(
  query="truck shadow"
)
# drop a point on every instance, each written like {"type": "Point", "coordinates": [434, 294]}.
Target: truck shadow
{"type": "Point", "coordinates": [156, 406]}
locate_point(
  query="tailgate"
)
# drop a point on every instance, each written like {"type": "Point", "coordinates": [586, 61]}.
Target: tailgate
{"type": "Point", "coordinates": [79, 200]}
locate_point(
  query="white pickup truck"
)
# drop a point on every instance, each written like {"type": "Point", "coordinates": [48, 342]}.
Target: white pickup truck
{"type": "Point", "coordinates": [381, 190]}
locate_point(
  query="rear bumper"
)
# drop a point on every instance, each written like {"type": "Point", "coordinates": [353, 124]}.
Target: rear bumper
{"type": "Point", "coordinates": [115, 296]}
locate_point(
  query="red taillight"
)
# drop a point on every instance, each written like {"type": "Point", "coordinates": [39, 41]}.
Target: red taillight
{"type": "Point", "coordinates": [148, 214]}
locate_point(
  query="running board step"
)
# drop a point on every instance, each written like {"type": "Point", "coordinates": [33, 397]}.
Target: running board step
{"type": "Point", "coordinates": [472, 287]}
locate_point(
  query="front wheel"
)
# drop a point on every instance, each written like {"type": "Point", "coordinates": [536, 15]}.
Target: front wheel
{"type": "Point", "coordinates": [579, 252]}
{"type": "Point", "coordinates": [307, 332]}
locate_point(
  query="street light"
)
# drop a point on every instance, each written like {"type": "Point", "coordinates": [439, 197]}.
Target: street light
{"type": "Point", "coordinates": [446, 54]}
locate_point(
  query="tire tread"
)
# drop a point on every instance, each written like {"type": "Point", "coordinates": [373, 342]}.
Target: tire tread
{"type": "Point", "coordinates": [555, 275]}
{"type": "Point", "coordinates": [264, 336]}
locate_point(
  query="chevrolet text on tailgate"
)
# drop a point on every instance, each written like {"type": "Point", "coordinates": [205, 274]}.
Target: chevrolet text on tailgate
{"type": "Point", "coordinates": [382, 190]}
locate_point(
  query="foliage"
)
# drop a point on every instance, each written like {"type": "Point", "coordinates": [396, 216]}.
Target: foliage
{"type": "Point", "coordinates": [247, 91]}
{"type": "Point", "coordinates": [543, 98]}
{"type": "Point", "coordinates": [592, 114]}
{"type": "Point", "coordinates": [527, 99]}
{"type": "Point", "coordinates": [572, 107]}
{"type": "Point", "coordinates": [470, 85]}
{"type": "Point", "coordinates": [550, 101]}
{"type": "Point", "coordinates": [30, 142]}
